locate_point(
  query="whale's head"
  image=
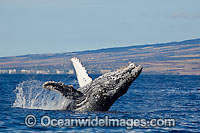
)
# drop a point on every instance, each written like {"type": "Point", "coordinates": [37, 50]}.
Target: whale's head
{"type": "Point", "coordinates": [117, 82]}
{"type": "Point", "coordinates": [106, 89]}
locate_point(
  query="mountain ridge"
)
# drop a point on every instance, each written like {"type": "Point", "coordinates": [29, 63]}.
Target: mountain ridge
{"type": "Point", "coordinates": [181, 57]}
{"type": "Point", "coordinates": [191, 41]}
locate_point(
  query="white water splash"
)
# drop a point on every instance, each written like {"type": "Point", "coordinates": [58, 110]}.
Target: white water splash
{"type": "Point", "coordinates": [30, 94]}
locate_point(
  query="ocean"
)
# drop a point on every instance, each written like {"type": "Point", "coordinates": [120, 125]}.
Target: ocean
{"type": "Point", "coordinates": [150, 97]}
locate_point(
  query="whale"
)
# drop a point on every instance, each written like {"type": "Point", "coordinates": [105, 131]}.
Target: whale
{"type": "Point", "coordinates": [98, 94]}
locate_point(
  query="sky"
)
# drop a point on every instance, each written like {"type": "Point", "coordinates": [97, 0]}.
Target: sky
{"type": "Point", "coordinates": [57, 26]}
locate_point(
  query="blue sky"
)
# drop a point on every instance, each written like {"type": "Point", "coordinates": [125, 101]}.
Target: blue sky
{"type": "Point", "coordinates": [56, 26]}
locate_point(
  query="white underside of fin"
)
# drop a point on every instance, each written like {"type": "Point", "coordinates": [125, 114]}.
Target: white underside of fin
{"type": "Point", "coordinates": [81, 73]}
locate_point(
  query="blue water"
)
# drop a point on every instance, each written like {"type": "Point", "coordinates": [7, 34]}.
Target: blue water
{"type": "Point", "coordinates": [150, 96]}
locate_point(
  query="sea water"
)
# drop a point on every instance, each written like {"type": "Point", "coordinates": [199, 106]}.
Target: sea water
{"type": "Point", "coordinates": [149, 97]}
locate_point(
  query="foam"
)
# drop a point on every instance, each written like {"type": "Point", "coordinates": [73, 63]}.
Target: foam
{"type": "Point", "coordinates": [30, 94]}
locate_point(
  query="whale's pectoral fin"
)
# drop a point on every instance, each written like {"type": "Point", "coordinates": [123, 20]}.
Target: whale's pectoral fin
{"type": "Point", "coordinates": [66, 90]}
{"type": "Point", "coordinates": [81, 73]}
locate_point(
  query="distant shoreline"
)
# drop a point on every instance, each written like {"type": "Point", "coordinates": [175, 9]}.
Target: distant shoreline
{"type": "Point", "coordinates": [174, 58]}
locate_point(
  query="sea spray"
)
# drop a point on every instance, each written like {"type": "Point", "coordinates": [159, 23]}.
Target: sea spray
{"type": "Point", "coordinates": [30, 94]}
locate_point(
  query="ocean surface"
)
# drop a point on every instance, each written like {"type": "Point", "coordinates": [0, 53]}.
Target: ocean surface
{"type": "Point", "coordinates": [149, 97]}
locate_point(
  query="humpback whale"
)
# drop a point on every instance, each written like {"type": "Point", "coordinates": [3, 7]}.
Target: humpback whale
{"type": "Point", "coordinates": [98, 94]}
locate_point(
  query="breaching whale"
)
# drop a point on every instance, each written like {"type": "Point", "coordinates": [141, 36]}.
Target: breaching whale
{"type": "Point", "coordinates": [98, 94]}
